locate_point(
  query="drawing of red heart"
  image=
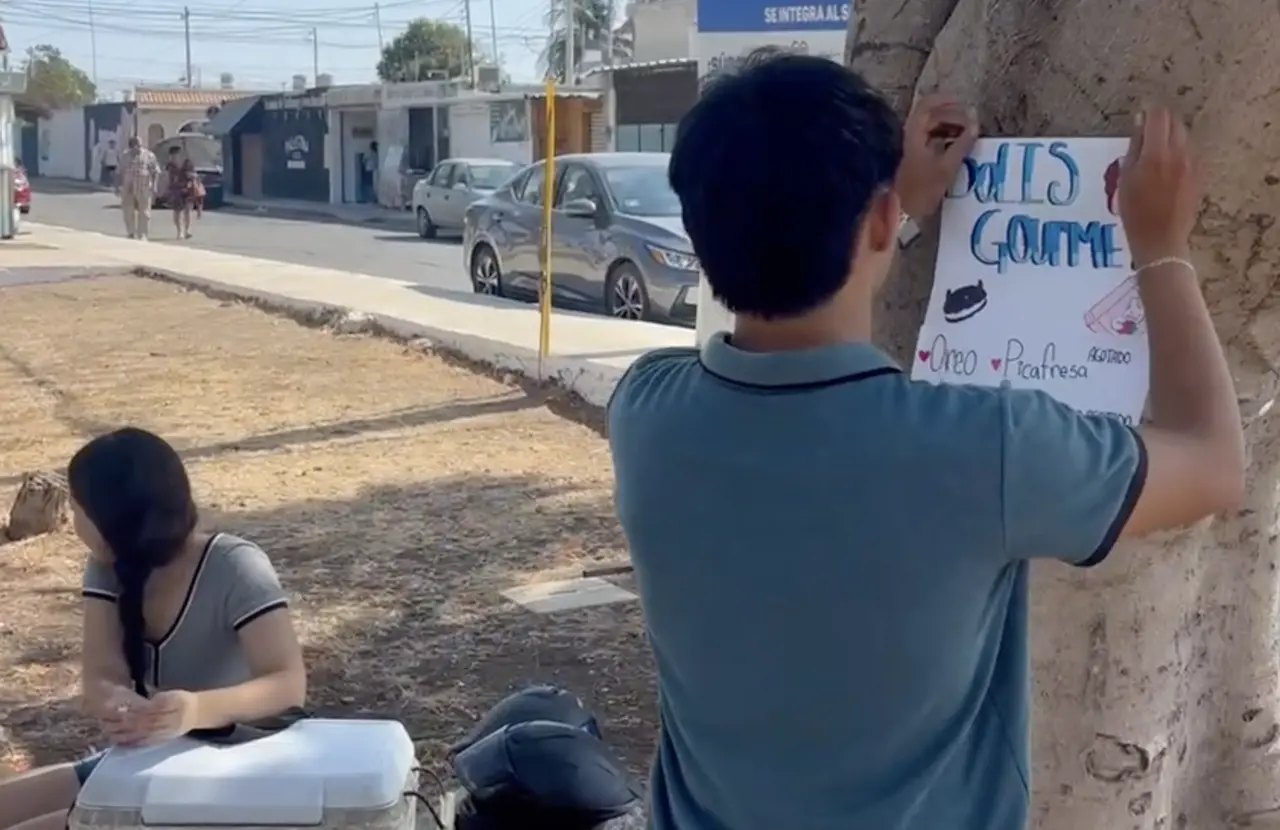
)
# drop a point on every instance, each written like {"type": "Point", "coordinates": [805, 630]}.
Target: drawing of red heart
{"type": "Point", "coordinates": [924, 356]}
{"type": "Point", "coordinates": [995, 363]}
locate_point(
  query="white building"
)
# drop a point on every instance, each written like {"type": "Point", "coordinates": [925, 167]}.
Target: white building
{"type": "Point", "coordinates": [353, 131]}
{"type": "Point", "coordinates": [661, 29]}
{"type": "Point", "coordinates": [418, 124]}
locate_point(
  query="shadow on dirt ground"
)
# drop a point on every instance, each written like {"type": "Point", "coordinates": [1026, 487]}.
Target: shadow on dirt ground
{"type": "Point", "coordinates": [397, 493]}
{"type": "Point", "coordinates": [412, 627]}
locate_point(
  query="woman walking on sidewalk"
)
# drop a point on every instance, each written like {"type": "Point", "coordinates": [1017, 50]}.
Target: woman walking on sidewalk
{"type": "Point", "coordinates": [182, 186]}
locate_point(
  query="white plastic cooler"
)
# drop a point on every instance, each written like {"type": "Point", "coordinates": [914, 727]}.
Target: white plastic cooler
{"type": "Point", "coordinates": [333, 774]}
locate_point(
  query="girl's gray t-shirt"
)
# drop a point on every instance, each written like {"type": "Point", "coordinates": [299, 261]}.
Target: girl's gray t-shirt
{"type": "Point", "coordinates": [234, 584]}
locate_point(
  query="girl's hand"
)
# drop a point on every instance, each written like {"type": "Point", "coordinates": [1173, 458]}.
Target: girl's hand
{"type": "Point", "coordinates": [166, 716]}
{"type": "Point", "coordinates": [116, 710]}
{"type": "Point", "coordinates": [107, 699]}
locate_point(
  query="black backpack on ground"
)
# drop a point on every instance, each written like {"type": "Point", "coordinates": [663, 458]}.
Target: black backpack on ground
{"type": "Point", "coordinates": [536, 761]}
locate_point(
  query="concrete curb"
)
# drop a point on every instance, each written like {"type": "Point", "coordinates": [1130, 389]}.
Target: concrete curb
{"type": "Point", "coordinates": [590, 382]}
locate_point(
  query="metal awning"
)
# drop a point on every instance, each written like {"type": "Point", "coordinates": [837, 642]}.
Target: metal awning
{"type": "Point", "coordinates": [568, 92]}
{"type": "Point", "coordinates": [664, 63]}
{"type": "Point", "coordinates": [230, 116]}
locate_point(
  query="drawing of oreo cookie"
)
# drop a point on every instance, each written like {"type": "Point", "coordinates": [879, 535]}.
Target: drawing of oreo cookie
{"type": "Point", "coordinates": [964, 302]}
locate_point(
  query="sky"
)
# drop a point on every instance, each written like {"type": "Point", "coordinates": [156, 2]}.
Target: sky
{"type": "Point", "coordinates": [263, 43]}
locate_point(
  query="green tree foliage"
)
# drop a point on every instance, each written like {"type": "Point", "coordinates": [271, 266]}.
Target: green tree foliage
{"type": "Point", "coordinates": [594, 23]}
{"type": "Point", "coordinates": [426, 50]}
{"type": "Point", "coordinates": [53, 83]}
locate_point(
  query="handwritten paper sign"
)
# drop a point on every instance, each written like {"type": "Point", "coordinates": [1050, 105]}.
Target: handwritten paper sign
{"type": "Point", "coordinates": [1034, 285]}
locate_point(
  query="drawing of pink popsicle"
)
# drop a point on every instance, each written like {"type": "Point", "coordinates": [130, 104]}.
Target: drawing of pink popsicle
{"type": "Point", "coordinates": [1119, 312]}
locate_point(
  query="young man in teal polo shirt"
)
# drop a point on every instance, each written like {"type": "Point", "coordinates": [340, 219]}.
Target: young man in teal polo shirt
{"type": "Point", "coordinates": [833, 558]}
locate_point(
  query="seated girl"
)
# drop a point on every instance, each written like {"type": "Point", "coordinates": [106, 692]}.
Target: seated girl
{"type": "Point", "coordinates": [183, 630]}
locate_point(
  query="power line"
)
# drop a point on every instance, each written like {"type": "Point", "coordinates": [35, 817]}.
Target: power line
{"type": "Point", "coordinates": [26, 12]}
{"type": "Point", "coordinates": [367, 17]}
{"type": "Point", "coordinates": [176, 65]}
{"type": "Point", "coordinates": [240, 24]}
{"type": "Point", "coordinates": [314, 16]}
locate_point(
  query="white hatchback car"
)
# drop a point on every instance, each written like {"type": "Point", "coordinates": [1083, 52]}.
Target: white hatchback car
{"type": "Point", "coordinates": [441, 199]}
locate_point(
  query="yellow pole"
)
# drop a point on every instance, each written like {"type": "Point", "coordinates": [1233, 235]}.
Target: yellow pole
{"type": "Point", "coordinates": [548, 195]}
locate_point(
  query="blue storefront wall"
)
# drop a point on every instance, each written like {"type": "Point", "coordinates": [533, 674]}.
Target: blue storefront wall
{"type": "Point", "coordinates": [29, 148]}
{"type": "Point", "coordinates": [101, 122]}
{"type": "Point", "coordinates": [293, 136]}
{"type": "Point", "coordinates": [771, 16]}
{"type": "Point", "coordinates": [234, 121]}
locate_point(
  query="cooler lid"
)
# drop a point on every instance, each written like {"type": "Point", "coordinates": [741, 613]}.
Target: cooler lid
{"type": "Point", "coordinates": [290, 778]}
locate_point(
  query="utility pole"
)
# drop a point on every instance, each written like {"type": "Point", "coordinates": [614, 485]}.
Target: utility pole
{"type": "Point", "coordinates": [570, 50]}
{"type": "Point", "coordinates": [93, 44]}
{"type": "Point", "coordinates": [606, 48]}
{"type": "Point", "coordinates": [471, 46]}
{"type": "Point", "coordinates": [315, 55]}
{"type": "Point", "coordinates": [186, 36]}
{"type": "Point", "coordinates": [377, 19]}
{"type": "Point", "coordinates": [493, 33]}
{"type": "Point", "coordinates": [610, 84]}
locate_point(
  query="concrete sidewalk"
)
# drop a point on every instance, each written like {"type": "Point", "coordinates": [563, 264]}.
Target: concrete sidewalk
{"type": "Point", "coordinates": [399, 220]}
{"type": "Point", "coordinates": [588, 353]}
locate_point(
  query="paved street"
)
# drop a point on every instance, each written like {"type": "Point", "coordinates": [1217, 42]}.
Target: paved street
{"type": "Point", "coordinates": [367, 249]}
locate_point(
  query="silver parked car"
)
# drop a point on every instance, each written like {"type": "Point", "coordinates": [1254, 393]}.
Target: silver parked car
{"type": "Point", "coordinates": [441, 199]}
{"type": "Point", "coordinates": [618, 244]}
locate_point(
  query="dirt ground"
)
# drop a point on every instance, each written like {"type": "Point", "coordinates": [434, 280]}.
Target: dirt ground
{"type": "Point", "coordinates": [396, 493]}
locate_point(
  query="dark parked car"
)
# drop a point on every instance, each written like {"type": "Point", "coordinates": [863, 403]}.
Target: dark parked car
{"type": "Point", "coordinates": [617, 243]}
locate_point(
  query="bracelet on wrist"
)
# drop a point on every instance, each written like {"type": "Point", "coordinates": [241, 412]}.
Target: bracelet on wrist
{"type": "Point", "coordinates": [1165, 260]}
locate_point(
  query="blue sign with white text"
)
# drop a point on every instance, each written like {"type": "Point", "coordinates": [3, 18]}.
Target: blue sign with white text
{"type": "Point", "coordinates": [771, 16]}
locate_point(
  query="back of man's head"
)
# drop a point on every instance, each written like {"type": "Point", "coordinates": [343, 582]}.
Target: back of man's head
{"type": "Point", "coordinates": [775, 167]}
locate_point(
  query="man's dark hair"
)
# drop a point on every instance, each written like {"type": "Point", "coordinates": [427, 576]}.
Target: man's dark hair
{"type": "Point", "coordinates": [775, 166]}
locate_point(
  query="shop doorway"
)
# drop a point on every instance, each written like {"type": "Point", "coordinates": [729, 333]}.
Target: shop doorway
{"type": "Point", "coordinates": [359, 134]}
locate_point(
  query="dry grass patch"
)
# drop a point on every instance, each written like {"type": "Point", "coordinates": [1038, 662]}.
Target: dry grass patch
{"type": "Point", "coordinates": [396, 493]}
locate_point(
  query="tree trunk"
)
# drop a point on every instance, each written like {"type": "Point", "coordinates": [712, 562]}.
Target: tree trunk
{"type": "Point", "coordinates": [1156, 673]}
{"type": "Point", "coordinates": [40, 506]}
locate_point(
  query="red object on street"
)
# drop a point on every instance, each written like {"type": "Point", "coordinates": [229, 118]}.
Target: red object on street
{"type": "Point", "coordinates": [22, 190]}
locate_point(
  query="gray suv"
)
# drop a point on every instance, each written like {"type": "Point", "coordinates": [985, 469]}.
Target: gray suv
{"type": "Point", "coordinates": [618, 243]}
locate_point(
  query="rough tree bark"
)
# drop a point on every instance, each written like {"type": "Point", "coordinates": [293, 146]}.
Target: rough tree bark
{"type": "Point", "coordinates": [1156, 674]}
